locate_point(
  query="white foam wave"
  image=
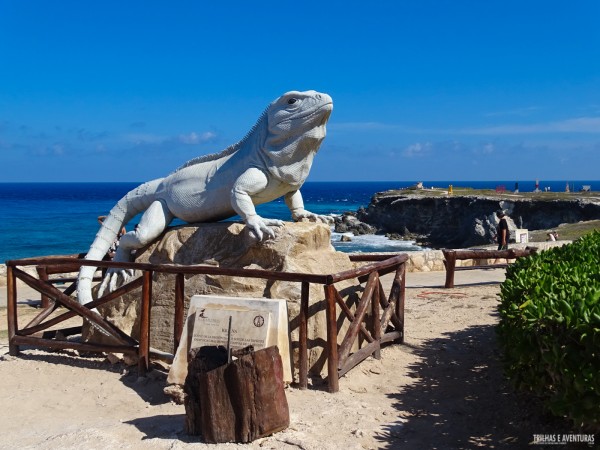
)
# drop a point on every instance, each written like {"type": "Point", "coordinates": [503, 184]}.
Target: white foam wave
{"type": "Point", "coordinates": [372, 243]}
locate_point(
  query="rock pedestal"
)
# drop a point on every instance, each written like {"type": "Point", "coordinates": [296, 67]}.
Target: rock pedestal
{"type": "Point", "coordinates": [298, 247]}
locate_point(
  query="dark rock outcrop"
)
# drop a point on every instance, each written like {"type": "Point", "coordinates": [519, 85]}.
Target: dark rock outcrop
{"type": "Point", "coordinates": [348, 222]}
{"type": "Point", "coordinates": [464, 221]}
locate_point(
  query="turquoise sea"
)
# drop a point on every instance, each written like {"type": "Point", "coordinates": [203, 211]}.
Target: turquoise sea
{"type": "Point", "coordinates": [41, 219]}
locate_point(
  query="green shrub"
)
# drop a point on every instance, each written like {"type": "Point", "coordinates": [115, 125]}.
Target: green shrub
{"type": "Point", "coordinates": [550, 328]}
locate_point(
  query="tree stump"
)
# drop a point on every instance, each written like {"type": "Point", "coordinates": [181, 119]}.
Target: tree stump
{"type": "Point", "coordinates": [236, 402]}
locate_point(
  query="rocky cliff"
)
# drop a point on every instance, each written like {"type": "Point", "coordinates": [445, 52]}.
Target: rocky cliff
{"type": "Point", "coordinates": [458, 221]}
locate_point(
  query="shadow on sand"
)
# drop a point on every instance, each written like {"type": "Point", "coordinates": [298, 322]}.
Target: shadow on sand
{"type": "Point", "coordinates": [461, 399]}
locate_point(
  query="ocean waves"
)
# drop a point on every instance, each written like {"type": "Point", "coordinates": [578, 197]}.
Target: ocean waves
{"type": "Point", "coordinates": [371, 243]}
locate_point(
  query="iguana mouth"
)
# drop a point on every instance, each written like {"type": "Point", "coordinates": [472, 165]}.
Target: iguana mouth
{"type": "Point", "coordinates": [315, 112]}
{"type": "Point", "coordinates": [326, 116]}
{"type": "Point", "coordinates": [328, 105]}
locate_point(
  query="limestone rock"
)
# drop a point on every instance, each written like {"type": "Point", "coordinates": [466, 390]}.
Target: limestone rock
{"type": "Point", "coordinates": [298, 247]}
{"type": "Point", "coordinates": [461, 221]}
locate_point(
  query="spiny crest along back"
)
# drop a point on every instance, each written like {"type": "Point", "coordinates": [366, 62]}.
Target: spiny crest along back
{"type": "Point", "coordinates": [229, 150]}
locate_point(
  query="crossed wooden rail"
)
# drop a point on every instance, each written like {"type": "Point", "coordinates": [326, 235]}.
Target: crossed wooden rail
{"type": "Point", "coordinates": [385, 324]}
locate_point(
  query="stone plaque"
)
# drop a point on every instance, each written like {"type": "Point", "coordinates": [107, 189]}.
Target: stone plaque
{"type": "Point", "coordinates": [211, 327]}
{"type": "Point", "coordinates": [244, 312]}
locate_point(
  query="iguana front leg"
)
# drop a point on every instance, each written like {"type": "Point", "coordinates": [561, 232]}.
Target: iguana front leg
{"type": "Point", "coordinates": [252, 182]}
{"type": "Point", "coordinates": [295, 203]}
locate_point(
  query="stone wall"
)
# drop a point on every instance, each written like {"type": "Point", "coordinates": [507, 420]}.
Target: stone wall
{"type": "Point", "coordinates": [433, 260]}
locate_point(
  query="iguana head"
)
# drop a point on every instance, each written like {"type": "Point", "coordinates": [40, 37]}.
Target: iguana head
{"type": "Point", "coordinates": [295, 129]}
{"type": "Point", "coordinates": [295, 113]}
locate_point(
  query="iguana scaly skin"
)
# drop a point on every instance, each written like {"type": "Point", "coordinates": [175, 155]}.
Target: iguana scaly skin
{"type": "Point", "coordinates": [271, 161]}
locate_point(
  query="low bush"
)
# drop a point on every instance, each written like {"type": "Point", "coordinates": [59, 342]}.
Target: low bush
{"type": "Point", "coordinates": [550, 328]}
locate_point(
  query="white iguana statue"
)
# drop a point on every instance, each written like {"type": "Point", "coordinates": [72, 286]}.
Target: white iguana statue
{"type": "Point", "coordinates": [271, 161]}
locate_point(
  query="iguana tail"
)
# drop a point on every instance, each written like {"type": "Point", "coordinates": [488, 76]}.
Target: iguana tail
{"type": "Point", "coordinates": [128, 207]}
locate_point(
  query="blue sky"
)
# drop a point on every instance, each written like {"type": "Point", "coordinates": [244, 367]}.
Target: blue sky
{"type": "Point", "coordinates": [428, 90]}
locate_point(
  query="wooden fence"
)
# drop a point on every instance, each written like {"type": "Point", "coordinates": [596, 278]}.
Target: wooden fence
{"type": "Point", "coordinates": [450, 257]}
{"type": "Point", "coordinates": [384, 324]}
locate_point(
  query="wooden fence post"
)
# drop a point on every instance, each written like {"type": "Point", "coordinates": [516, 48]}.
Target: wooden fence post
{"type": "Point", "coordinates": [179, 307]}
{"type": "Point", "coordinates": [401, 273]}
{"type": "Point", "coordinates": [11, 310]}
{"type": "Point", "coordinates": [332, 346]}
{"type": "Point", "coordinates": [144, 344]}
{"type": "Point", "coordinates": [303, 336]}
{"type": "Point", "coordinates": [43, 275]}
{"type": "Point", "coordinates": [375, 313]}
{"type": "Point", "coordinates": [450, 263]}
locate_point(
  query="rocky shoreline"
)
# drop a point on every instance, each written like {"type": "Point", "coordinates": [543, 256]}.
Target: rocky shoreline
{"type": "Point", "coordinates": [460, 221]}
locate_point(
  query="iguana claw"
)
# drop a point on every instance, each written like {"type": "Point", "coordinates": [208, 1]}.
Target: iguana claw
{"type": "Point", "coordinates": [114, 279]}
{"type": "Point", "coordinates": [260, 229]}
{"type": "Point", "coordinates": [302, 214]}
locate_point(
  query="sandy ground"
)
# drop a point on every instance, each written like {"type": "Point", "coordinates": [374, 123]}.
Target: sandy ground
{"type": "Point", "coordinates": [442, 389]}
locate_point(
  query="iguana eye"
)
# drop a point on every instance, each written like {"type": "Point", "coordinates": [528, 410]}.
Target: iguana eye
{"type": "Point", "coordinates": [291, 101]}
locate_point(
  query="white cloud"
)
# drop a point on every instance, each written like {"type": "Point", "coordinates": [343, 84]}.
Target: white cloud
{"type": "Point", "coordinates": [488, 149]}
{"type": "Point", "coordinates": [368, 126]}
{"type": "Point", "coordinates": [525, 111]}
{"type": "Point", "coordinates": [195, 138]}
{"type": "Point", "coordinates": [191, 138]}
{"type": "Point", "coordinates": [590, 124]}
{"type": "Point", "coordinates": [578, 125]}
{"type": "Point", "coordinates": [417, 150]}
{"type": "Point", "coordinates": [144, 138]}
{"type": "Point", "coordinates": [47, 150]}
